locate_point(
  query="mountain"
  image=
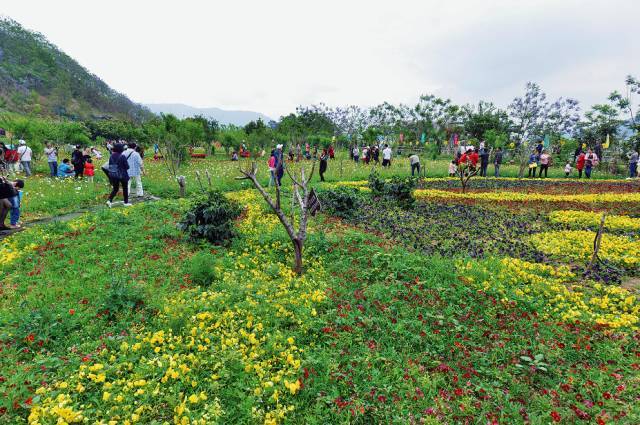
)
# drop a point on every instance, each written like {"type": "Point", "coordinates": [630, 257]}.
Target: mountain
{"type": "Point", "coordinates": [239, 118]}
{"type": "Point", "coordinates": [38, 78]}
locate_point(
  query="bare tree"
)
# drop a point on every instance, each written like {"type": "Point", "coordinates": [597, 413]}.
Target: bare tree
{"type": "Point", "coordinates": [465, 171]}
{"type": "Point", "coordinates": [298, 236]}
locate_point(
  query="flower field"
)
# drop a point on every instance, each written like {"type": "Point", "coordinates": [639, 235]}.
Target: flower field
{"type": "Point", "coordinates": [445, 311]}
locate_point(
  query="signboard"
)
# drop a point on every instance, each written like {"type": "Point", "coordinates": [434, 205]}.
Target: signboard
{"type": "Point", "coordinates": [313, 203]}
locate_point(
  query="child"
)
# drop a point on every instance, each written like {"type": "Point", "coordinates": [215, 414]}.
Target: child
{"type": "Point", "coordinates": [16, 201]}
{"type": "Point", "coordinates": [567, 169]}
{"type": "Point", "coordinates": [453, 167]}
{"type": "Point", "coordinates": [89, 169]}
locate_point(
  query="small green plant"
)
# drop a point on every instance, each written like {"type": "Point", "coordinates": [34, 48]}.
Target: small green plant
{"type": "Point", "coordinates": [398, 189]}
{"type": "Point", "coordinates": [533, 364]}
{"type": "Point", "coordinates": [122, 296]}
{"type": "Point", "coordinates": [342, 202]}
{"type": "Point", "coordinates": [376, 184]}
{"type": "Point", "coordinates": [211, 218]}
{"type": "Point", "coordinates": [202, 269]}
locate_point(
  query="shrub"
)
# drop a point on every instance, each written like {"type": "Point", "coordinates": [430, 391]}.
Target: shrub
{"type": "Point", "coordinates": [211, 218]}
{"type": "Point", "coordinates": [122, 296]}
{"type": "Point", "coordinates": [202, 269]}
{"type": "Point", "coordinates": [376, 184]}
{"type": "Point", "coordinates": [342, 202]}
{"type": "Point", "coordinates": [398, 189]}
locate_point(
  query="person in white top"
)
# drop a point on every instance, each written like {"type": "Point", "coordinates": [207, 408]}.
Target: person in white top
{"type": "Point", "coordinates": [356, 154]}
{"type": "Point", "coordinates": [414, 160]}
{"type": "Point", "coordinates": [96, 153]}
{"type": "Point", "coordinates": [52, 159]}
{"type": "Point", "coordinates": [386, 156]}
{"type": "Point", "coordinates": [24, 153]}
{"type": "Point", "coordinates": [135, 168]}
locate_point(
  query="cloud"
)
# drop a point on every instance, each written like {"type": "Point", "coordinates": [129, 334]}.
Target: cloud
{"type": "Point", "coordinates": [272, 56]}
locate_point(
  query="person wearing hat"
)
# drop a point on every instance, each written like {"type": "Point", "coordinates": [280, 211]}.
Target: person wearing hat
{"type": "Point", "coordinates": [24, 153]}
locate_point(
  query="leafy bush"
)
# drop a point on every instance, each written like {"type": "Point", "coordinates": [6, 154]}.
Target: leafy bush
{"type": "Point", "coordinates": [122, 296]}
{"type": "Point", "coordinates": [398, 189]}
{"type": "Point", "coordinates": [342, 202]}
{"type": "Point", "coordinates": [211, 218]}
{"type": "Point", "coordinates": [202, 269]}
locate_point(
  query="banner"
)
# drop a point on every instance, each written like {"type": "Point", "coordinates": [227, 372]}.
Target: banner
{"type": "Point", "coordinates": [401, 137]}
{"type": "Point", "coordinates": [455, 139]}
{"type": "Point", "coordinates": [547, 141]}
{"type": "Point", "coordinates": [423, 138]}
{"type": "Point", "coordinates": [605, 145]}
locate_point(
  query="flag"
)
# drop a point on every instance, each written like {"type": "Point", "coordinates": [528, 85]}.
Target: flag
{"type": "Point", "coordinates": [401, 137]}
{"type": "Point", "coordinates": [455, 139]}
{"type": "Point", "coordinates": [423, 137]}
{"type": "Point", "coordinates": [547, 141]}
{"type": "Point", "coordinates": [605, 145]}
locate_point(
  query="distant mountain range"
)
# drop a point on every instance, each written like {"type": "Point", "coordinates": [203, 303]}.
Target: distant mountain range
{"type": "Point", "coordinates": [239, 118]}
{"type": "Point", "coordinates": [38, 78]}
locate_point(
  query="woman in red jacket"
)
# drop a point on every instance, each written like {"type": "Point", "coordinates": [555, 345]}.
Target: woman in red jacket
{"type": "Point", "coordinates": [580, 164]}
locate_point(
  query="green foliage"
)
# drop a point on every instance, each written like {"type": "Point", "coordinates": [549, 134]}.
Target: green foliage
{"type": "Point", "coordinates": [211, 217]}
{"type": "Point", "coordinates": [397, 189]}
{"type": "Point", "coordinates": [202, 269]}
{"type": "Point", "coordinates": [122, 296]}
{"type": "Point", "coordinates": [342, 202]}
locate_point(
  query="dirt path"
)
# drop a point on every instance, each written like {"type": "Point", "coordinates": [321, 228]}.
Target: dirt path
{"type": "Point", "coordinates": [74, 214]}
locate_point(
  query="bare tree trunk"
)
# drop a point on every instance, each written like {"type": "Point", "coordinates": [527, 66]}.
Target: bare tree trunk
{"type": "Point", "coordinates": [297, 249]}
{"type": "Point", "coordinates": [183, 186]}
{"type": "Point", "coordinates": [596, 242]}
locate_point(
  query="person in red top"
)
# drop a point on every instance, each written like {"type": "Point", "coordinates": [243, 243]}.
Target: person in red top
{"type": "Point", "coordinates": [89, 169]}
{"type": "Point", "coordinates": [473, 157]}
{"type": "Point", "coordinates": [331, 152]}
{"type": "Point", "coordinates": [580, 164]}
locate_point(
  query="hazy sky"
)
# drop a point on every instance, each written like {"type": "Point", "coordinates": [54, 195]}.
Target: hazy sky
{"type": "Point", "coordinates": [270, 56]}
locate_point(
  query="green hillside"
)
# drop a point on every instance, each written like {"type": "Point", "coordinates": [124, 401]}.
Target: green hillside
{"type": "Point", "coordinates": [38, 78]}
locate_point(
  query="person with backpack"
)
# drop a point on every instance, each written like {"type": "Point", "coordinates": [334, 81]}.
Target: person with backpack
{"type": "Point", "coordinates": [118, 174]}
{"type": "Point", "coordinates": [78, 160]}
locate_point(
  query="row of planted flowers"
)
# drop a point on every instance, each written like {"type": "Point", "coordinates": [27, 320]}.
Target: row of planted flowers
{"type": "Point", "coordinates": [231, 352]}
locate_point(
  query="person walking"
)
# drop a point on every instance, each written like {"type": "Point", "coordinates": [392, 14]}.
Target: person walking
{"type": "Point", "coordinates": [497, 161]}
{"type": "Point", "coordinates": [24, 153]}
{"type": "Point", "coordinates": [386, 156]}
{"type": "Point", "coordinates": [77, 159]}
{"type": "Point", "coordinates": [136, 168]}
{"type": "Point", "coordinates": [324, 156]}
{"type": "Point", "coordinates": [118, 174]}
{"type": "Point", "coordinates": [545, 162]}
{"type": "Point", "coordinates": [590, 161]}
{"type": "Point", "coordinates": [580, 164]}
{"type": "Point", "coordinates": [414, 160]}
{"type": "Point", "coordinates": [633, 164]}
{"type": "Point", "coordinates": [484, 161]}
{"type": "Point", "coordinates": [52, 159]}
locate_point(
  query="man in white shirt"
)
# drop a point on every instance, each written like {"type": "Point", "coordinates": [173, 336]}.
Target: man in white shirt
{"type": "Point", "coordinates": [24, 153]}
{"type": "Point", "coordinates": [386, 156]}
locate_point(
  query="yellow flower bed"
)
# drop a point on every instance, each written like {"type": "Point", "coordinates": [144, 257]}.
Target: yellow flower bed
{"type": "Point", "coordinates": [592, 219]}
{"type": "Point", "coordinates": [245, 335]}
{"type": "Point", "coordinates": [504, 196]}
{"type": "Point", "coordinates": [553, 287]}
{"type": "Point", "coordinates": [578, 245]}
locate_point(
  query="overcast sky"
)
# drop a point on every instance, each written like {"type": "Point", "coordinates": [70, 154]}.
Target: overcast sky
{"type": "Point", "coordinates": [270, 56]}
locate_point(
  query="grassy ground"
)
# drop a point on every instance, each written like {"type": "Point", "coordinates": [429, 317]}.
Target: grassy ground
{"type": "Point", "coordinates": [425, 315]}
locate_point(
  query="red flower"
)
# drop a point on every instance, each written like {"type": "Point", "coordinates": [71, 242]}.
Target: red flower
{"type": "Point", "coordinates": [606, 395]}
{"type": "Point", "coordinates": [72, 311]}
{"type": "Point", "coordinates": [31, 337]}
{"type": "Point", "coordinates": [555, 416]}
{"type": "Point", "coordinates": [28, 401]}
{"type": "Point", "coordinates": [459, 392]}
{"type": "Point", "coordinates": [382, 399]}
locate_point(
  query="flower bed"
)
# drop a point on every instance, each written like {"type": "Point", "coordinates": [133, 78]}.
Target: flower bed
{"type": "Point", "coordinates": [591, 220]}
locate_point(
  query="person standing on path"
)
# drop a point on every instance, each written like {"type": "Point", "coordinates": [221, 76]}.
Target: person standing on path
{"type": "Point", "coordinates": [118, 174]}
{"type": "Point", "coordinates": [580, 164]}
{"type": "Point", "coordinates": [414, 160]}
{"type": "Point", "coordinates": [633, 164]}
{"type": "Point", "coordinates": [52, 159]}
{"type": "Point", "coordinates": [24, 152]}
{"type": "Point", "coordinates": [136, 168]}
{"type": "Point", "coordinates": [77, 159]}
{"type": "Point", "coordinates": [533, 163]}
{"type": "Point", "coordinates": [497, 161]}
{"type": "Point", "coordinates": [323, 164]}
{"type": "Point", "coordinates": [545, 161]}
{"type": "Point", "coordinates": [386, 156]}
{"type": "Point", "coordinates": [355, 154]}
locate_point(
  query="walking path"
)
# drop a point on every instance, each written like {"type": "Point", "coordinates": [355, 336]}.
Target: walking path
{"type": "Point", "coordinates": [74, 214]}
